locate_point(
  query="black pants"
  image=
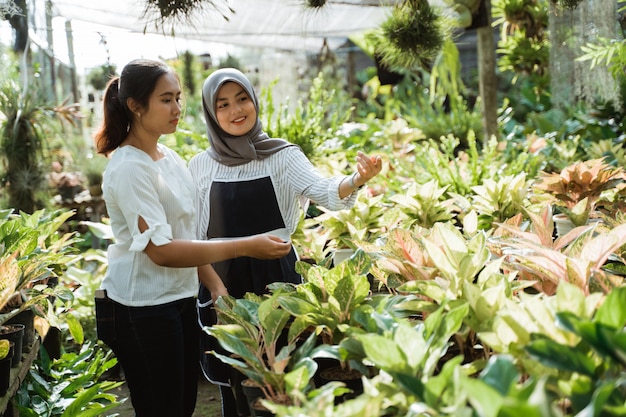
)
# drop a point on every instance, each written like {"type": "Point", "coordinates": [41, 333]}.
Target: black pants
{"type": "Point", "coordinates": [157, 347]}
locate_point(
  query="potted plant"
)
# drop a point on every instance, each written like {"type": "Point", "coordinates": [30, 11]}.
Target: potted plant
{"type": "Point", "coordinates": [580, 188]}
{"type": "Point", "coordinates": [344, 229]}
{"type": "Point", "coordinates": [408, 354]}
{"type": "Point", "coordinates": [595, 353]}
{"type": "Point", "coordinates": [330, 303]}
{"type": "Point", "coordinates": [33, 254]}
{"type": "Point", "coordinates": [262, 345]}
{"type": "Point", "coordinates": [580, 263]}
{"type": "Point", "coordinates": [328, 298]}
{"type": "Point", "coordinates": [423, 204]}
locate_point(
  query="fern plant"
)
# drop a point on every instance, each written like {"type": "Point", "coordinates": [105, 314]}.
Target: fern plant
{"type": "Point", "coordinates": [609, 52]}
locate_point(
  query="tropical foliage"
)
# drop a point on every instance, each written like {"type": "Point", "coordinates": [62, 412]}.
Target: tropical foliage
{"type": "Point", "coordinates": [460, 295]}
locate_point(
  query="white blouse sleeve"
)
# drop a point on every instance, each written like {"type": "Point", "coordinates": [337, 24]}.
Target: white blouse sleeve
{"type": "Point", "coordinates": [137, 196]}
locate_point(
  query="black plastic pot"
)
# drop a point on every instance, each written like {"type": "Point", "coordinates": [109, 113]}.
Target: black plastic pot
{"type": "Point", "coordinates": [15, 334]}
{"type": "Point", "coordinates": [252, 393]}
{"type": "Point", "coordinates": [27, 318]}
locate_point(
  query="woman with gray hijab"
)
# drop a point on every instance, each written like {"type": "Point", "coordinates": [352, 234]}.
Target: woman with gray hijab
{"type": "Point", "coordinates": [249, 183]}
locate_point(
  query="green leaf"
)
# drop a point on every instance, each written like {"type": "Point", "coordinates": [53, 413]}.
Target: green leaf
{"type": "Point", "coordinates": [84, 398]}
{"type": "Point", "coordinates": [384, 353]}
{"type": "Point", "coordinates": [563, 357]}
{"type": "Point", "coordinates": [409, 383]}
{"type": "Point", "coordinates": [295, 305]}
{"type": "Point", "coordinates": [612, 312]}
{"type": "Point", "coordinates": [451, 323]}
{"type": "Point", "coordinates": [5, 347]}
{"type": "Point", "coordinates": [599, 400]}
{"type": "Point", "coordinates": [411, 342]}
{"type": "Point", "coordinates": [100, 230]}
{"type": "Point", "coordinates": [430, 289]}
{"type": "Point", "coordinates": [232, 338]}
{"type": "Point", "coordinates": [485, 399]}
{"type": "Point", "coordinates": [598, 336]}
{"type": "Point", "coordinates": [299, 378]}
{"type": "Point", "coordinates": [500, 373]}
{"type": "Point", "coordinates": [75, 328]}
{"type": "Point", "coordinates": [273, 325]}
{"type": "Point", "coordinates": [612, 343]}
{"type": "Point", "coordinates": [350, 292]}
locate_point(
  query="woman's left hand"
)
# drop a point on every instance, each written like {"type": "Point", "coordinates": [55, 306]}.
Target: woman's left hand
{"type": "Point", "coordinates": [367, 168]}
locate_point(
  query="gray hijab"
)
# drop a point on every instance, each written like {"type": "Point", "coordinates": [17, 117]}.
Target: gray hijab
{"type": "Point", "coordinates": [235, 150]}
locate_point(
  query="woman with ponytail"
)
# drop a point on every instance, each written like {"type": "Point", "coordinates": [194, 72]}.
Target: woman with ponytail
{"type": "Point", "coordinates": [145, 308]}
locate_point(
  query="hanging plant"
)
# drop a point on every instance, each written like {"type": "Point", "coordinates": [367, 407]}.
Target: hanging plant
{"type": "Point", "coordinates": [315, 4]}
{"type": "Point", "coordinates": [414, 33]}
{"type": "Point", "coordinates": [566, 4]}
{"type": "Point", "coordinates": [161, 12]}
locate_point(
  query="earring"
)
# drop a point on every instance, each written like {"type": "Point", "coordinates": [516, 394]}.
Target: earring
{"type": "Point", "coordinates": [138, 115]}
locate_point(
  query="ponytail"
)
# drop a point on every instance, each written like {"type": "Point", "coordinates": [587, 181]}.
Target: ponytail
{"type": "Point", "coordinates": [115, 122]}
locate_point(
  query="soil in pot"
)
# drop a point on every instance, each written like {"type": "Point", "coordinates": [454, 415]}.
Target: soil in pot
{"type": "Point", "coordinates": [259, 410]}
{"type": "Point", "coordinates": [322, 365]}
{"type": "Point", "coordinates": [27, 318]}
{"type": "Point", "coordinates": [15, 334]}
{"type": "Point", "coordinates": [350, 377]}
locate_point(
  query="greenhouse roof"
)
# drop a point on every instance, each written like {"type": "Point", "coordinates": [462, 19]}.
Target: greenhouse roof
{"type": "Point", "coordinates": [279, 24]}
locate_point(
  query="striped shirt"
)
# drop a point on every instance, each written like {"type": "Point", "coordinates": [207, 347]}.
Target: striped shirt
{"type": "Point", "coordinates": [294, 178]}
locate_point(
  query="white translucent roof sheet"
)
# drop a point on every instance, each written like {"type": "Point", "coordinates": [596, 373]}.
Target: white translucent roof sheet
{"type": "Point", "coordinates": [281, 24]}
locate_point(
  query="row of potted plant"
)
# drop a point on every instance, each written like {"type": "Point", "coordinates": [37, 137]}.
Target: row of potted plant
{"type": "Point", "coordinates": [34, 253]}
{"type": "Point", "coordinates": [471, 293]}
{"type": "Point", "coordinates": [473, 316]}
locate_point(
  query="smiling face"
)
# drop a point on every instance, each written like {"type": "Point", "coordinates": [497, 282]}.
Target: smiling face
{"type": "Point", "coordinates": [234, 109]}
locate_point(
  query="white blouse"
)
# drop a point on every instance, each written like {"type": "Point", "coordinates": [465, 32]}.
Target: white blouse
{"type": "Point", "coordinates": [163, 194]}
{"type": "Point", "coordinates": [293, 176]}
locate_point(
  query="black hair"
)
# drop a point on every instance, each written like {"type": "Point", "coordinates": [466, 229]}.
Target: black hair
{"type": "Point", "coordinates": [137, 81]}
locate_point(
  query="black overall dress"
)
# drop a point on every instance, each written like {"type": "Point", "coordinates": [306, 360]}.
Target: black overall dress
{"type": "Point", "coordinates": [241, 208]}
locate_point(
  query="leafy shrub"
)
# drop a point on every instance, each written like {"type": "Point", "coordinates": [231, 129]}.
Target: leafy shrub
{"type": "Point", "coordinates": [68, 386]}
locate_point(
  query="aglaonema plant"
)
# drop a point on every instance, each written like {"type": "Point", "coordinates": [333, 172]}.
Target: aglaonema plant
{"type": "Point", "coordinates": [441, 256]}
{"type": "Point", "coordinates": [580, 263]}
{"type": "Point", "coordinates": [346, 228]}
{"type": "Point", "coordinates": [407, 353]}
{"type": "Point", "coordinates": [252, 330]}
{"type": "Point", "coordinates": [398, 258]}
{"type": "Point", "coordinates": [588, 374]}
{"type": "Point", "coordinates": [454, 261]}
{"type": "Point", "coordinates": [328, 298]}
{"type": "Point", "coordinates": [498, 200]}
{"type": "Point", "coordinates": [580, 188]}
{"type": "Point", "coordinates": [423, 204]}
{"type": "Point", "coordinates": [33, 255]}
